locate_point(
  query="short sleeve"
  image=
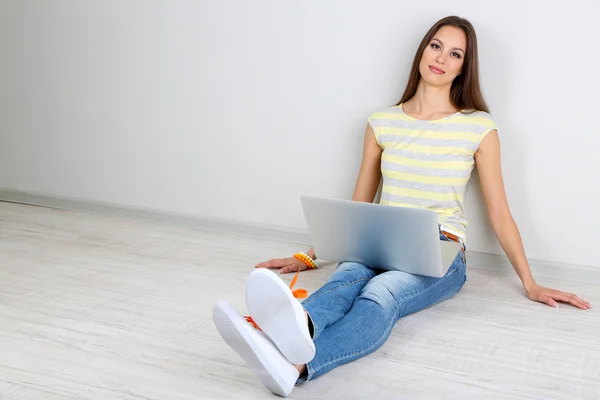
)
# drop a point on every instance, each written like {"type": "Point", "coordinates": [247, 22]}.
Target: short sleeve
{"type": "Point", "coordinates": [488, 125]}
{"type": "Point", "coordinates": [375, 123]}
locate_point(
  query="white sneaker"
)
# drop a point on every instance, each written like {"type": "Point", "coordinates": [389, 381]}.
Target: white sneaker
{"type": "Point", "coordinates": [273, 307]}
{"type": "Point", "coordinates": [273, 369]}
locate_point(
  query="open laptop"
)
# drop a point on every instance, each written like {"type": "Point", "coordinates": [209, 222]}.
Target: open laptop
{"type": "Point", "coordinates": [380, 236]}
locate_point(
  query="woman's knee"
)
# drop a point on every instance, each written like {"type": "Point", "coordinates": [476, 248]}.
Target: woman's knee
{"type": "Point", "coordinates": [352, 271]}
{"type": "Point", "coordinates": [406, 293]}
{"type": "Point", "coordinates": [379, 292]}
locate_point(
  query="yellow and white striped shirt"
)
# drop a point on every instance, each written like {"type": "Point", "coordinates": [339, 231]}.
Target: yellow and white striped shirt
{"type": "Point", "coordinates": [428, 163]}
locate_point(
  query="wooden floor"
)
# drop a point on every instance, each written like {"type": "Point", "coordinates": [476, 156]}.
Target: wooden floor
{"type": "Point", "coordinates": [96, 307]}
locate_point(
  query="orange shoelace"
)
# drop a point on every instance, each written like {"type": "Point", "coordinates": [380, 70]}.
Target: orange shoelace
{"type": "Point", "coordinates": [298, 293]}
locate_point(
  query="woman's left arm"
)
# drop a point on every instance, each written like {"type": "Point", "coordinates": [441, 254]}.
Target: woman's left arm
{"type": "Point", "coordinates": [487, 159]}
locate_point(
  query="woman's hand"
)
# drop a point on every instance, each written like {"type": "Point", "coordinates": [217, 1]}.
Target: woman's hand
{"type": "Point", "coordinates": [285, 265]}
{"type": "Point", "coordinates": [551, 296]}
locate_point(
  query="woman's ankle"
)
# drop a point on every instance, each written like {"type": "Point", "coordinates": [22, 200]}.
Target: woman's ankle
{"type": "Point", "coordinates": [301, 368]}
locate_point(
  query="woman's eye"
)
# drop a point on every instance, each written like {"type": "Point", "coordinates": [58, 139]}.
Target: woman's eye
{"type": "Point", "coordinates": [455, 54]}
{"type": "Point", "coordinates": [435, 46]}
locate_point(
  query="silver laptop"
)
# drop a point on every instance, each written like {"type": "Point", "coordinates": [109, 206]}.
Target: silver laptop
{"type": "Point", "coordinates": [380, 236]}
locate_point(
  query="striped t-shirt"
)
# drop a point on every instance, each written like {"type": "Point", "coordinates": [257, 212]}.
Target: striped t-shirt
{"type": "Point", "coordinates": [427, 164]}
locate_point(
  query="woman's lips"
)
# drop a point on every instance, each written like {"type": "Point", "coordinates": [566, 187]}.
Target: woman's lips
{"type": "Point", "coordinates": [436, 70]}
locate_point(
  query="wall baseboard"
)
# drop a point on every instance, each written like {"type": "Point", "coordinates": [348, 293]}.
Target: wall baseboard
{"type": "Point", "coordinates": [493, 262]}
{"type": "Point", "coordinates": [180, 219]}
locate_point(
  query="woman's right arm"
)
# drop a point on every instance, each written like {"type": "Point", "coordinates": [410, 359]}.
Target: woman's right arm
{"type": "Point", "coordinates": [369, 175]}
{"type": "Point", "coordinates": [365, 190]}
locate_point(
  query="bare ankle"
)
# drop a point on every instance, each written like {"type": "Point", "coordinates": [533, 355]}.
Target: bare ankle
{"type": "Point", "coordinates": [301, 368]}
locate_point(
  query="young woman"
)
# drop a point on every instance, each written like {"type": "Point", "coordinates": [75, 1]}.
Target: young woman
{"type": "Point", "coordinates": [425, 148]}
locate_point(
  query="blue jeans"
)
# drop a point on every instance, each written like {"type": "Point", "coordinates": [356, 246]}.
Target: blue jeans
{"type": "Point", "coordinates": [354, 312]}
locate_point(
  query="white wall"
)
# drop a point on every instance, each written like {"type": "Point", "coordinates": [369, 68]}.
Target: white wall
{"type": "Point", "coordinates": [232, 109]}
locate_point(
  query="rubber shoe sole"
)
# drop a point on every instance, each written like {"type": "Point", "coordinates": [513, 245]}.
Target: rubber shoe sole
{"type": "Point", "coordinates": [274, 371]}
{"type": "Point", "coordinates": [279, 315]}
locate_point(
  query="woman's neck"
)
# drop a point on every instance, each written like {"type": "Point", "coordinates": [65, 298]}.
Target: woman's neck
{"type": "Point", "coordinates": [430, 101]}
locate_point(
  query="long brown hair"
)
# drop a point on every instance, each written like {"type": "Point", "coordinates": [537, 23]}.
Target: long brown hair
{"type": "Point", "coordinates": [465, 93]}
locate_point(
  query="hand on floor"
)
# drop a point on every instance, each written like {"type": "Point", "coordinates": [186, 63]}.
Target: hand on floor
{"type": "Point", "coordinates": [551, 296]}
{"type": "Point", "coordinates": [285, 265]}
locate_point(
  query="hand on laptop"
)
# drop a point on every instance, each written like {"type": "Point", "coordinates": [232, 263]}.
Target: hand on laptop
{"type": "Point", "coordinates": [285, 265]}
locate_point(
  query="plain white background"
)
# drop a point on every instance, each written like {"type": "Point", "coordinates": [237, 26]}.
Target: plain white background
{"type": "Point", "coordinates": [233, 109]}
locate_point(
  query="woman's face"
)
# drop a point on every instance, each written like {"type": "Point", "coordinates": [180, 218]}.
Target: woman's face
{"type": "Point", "coordinates": [443, 58]}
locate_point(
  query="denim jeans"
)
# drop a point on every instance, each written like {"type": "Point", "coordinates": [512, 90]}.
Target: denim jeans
{"type": "Point", "coordinates": [354, 312]}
